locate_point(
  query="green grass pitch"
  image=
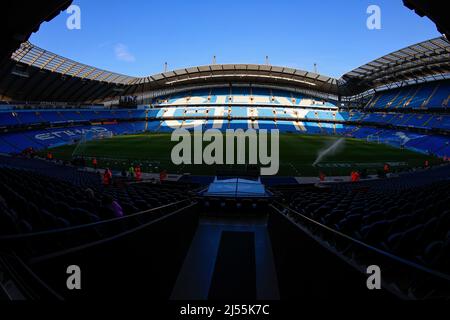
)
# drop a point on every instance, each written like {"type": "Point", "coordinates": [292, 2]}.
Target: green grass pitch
{"type": "Point", "coordinates": [297, 154]}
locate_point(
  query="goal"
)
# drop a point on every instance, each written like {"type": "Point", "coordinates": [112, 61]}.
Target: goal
{"type": "Point", "coordinates": [390, 140]}
{"type": "Point", "coordinates": [88, 136]}
{"type": "Point", "coordinates": [95, 135]}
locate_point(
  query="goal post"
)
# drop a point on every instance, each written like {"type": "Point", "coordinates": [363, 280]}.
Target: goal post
{"type": "Point", "coordinates": [389, 140]}
{"type": "Point", "coordinates": [89, 136]}
{"type": "Point", "coordinates": [95, 135]}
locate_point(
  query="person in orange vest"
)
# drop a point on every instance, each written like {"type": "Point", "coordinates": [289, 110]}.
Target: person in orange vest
{"type": "Point", "coordinates": [427, 164]}
{"type": "Point", "coordinates": [49, 156]}
{"type": "Point", "coordinates": [163, 176]}
{"type": "Point", "coordinates": [107, 177]}
{"type": "Point", "coordinates": [322, 176]}
{"type": "Point", "coordinates": [138, 173]}
{"type": "Point", "coordinates": [94, 163]}
{"type": "Point", "coordinates": [355, 176]}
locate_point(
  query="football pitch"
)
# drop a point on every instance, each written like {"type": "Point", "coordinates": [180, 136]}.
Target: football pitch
{"type": "Point", "coordinates": [297, 152]}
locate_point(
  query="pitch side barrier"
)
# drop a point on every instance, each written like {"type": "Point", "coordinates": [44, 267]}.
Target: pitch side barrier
{"type": "Point", "coordinates": [401, 277]}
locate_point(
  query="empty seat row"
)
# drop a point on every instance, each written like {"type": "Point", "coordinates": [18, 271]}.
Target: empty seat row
{"type": "Point", "coordinates": [412, 223]}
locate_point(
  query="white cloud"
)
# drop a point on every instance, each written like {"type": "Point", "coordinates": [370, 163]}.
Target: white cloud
{"type": "Point", "coordinates": [123, 53]}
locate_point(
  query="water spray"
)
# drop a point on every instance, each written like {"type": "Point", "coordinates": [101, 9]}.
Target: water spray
{"type": "Point", "coordinates": [331, 149]}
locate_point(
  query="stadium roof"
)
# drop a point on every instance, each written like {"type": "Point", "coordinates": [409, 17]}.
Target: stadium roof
{"type": "Point", "coordinates": [34, 74]}
{"type": "Point", "coordinates": [436, 10]}
{"type": "Point", "coordinates": [425, 59]}
{"type": "Point", "coordinates": [19, 19]}
{"type": "Point", "coordinates": [34, 56]}
{"type": "Point", "coordinates": [265, 74]}
{"type": "Point", "coordinates": [31, 55]}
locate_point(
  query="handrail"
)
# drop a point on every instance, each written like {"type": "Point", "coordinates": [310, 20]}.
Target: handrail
{"type": "Point", "coordinates": [19, 281]}
{"type": "Point", "coordinates": [86, 226]}
{"type": "Point", "coordinates": [101, 241]}
{"type": "Point", "coordinates": [76, 248]}
{"type": "Point", "coordinates": [369, 247]}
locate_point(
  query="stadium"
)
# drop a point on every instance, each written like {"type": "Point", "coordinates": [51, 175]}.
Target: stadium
{"type": "Point", "coordinates": [88, 181]}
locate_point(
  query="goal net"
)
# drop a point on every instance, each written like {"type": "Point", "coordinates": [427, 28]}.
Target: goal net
{"type": "Point", "coordinates": [390, 140]}
{"type": "Point", "coordinates": [89, 137]}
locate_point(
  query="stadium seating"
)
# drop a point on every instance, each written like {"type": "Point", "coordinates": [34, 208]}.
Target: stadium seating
{"type": "Point", "coordinates": [8, 119]}
{"type": "Point", "coordinates": [423, 96]}
{"type": "Point", "coordinates": [435, 121]}
{"type": "Point", "coordinates": [236, 95]}
{"type": "Point", "coordinates": [406, 217]}
{"type": "Point", "coordinates": [39, 139]}
{"type": "Point", "coordinates": [413, 224]}
{"type": "Point", "coordinates": [34, 202]}
{"type": "Point", "coordinates": [386, 119]}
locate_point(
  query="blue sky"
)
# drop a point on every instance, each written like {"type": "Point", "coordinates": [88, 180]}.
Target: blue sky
{"type": "Point", "coordinates": [136, 37]}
